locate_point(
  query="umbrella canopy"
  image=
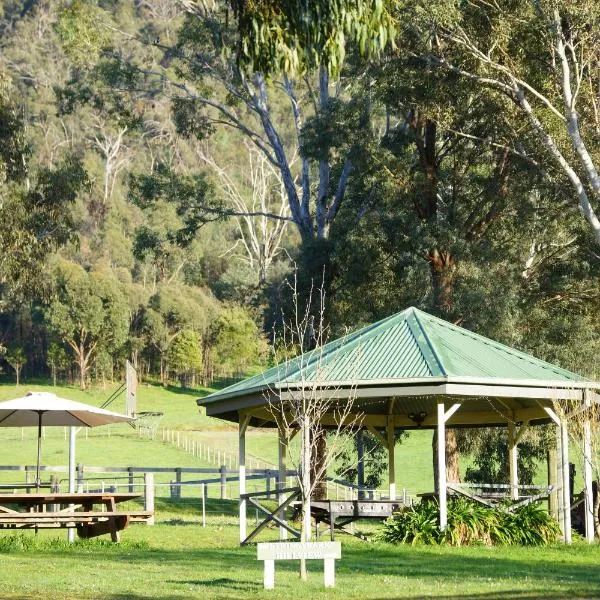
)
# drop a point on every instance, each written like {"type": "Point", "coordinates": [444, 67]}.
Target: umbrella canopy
{"type": "Point", "coordinates": [55, 411]}
{"type": "Point", "coordinates": [41, 409]}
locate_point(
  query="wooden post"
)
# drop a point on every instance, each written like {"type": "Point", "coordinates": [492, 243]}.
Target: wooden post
{"type": "Point", "coordinates": [441, 458]}
{"type": "Point", "coordinates": [130, 471]}
{"type": "Point", "coordinates": [80, 477]}
{"type": "Point", "coordinates": [553, 481]}
{"type": "Point", "coordinates": [282, 476]}
{"type": "Point", "coordinates": [223, 470]}
{"type": "Point", "coordinates": [178, 483]}
{"type": "Point", "coordinates": [269, 574]}
{"type": "Point", "coordinates": [329, 572]}
{"type": "Point", "coordinates": [243, 424]}
{"type": "Point", "coordinates": [203, 495]}
{"type": "Point", "coordinates": [360, 463]}
{"type": "Point", "coordinates": [512, 461]}
{"type": "Point", "coordinates": [149, 496]}
{"type": "Point", "coordinates": [564, 433]}
{"type": "Point", "coordinates": [391, 457]}
{"type": "Point", "coordinates": [587, 474]}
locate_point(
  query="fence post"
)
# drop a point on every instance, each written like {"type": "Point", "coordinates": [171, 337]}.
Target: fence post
{"type": "Point", "coordinates": [268, 482]}
{"type": "Point", "coordinates": [80, 478]}
{"type": "Point", "coordinates": [223, 470]}
{"type": "Point", "coordinates": [178, 483]}
{"type": "Point", "coordinates": [203, 494]}
{"type": "Point", "coordinates": [130, 471]}
{"type": "Point", "coordinates": [149, 495]}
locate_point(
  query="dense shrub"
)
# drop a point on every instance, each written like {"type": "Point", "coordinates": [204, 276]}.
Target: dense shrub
{"type": "Point", "coordinates": [471, 523]}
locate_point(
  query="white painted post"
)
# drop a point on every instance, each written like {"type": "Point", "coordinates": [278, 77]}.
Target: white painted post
{"type": "Point", "coordinates": [269, 580]}
{"type": "Point", "coordinates": [203, 493]}
{"type": "Point", "coordinates": [512, 461]}
{"type": "Point", "coordinates": [566, 483]}
{"type": "Point", "coordinates": [559, 480]}
{"type": "Point", "coordinates": [282, 475]}
{"type": "Point", "coordinates": [242, 473]}
{"type": "Point", "coordinates": [391, 457]}
{"type": "Point", "coordinates": [149, 496]}
{"type": "Point", "coordinates": [441, 458]}
{"type": "Point", "coordinates": [329, 572]}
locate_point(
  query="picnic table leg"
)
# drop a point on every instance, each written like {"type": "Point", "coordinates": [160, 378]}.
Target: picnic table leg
{"type": "Point", "coordinates": [115, 536]}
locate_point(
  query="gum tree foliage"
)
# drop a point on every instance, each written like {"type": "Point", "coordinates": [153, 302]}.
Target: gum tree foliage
{"type": "Point", "coordinates": [15, 357]}
{"type": "Point", "coordinates": [540, 59]}
{"type": "Point", "coordinates": [88, 312]}
{"type": "Point", "coordinates": [235, 341]}
{"type": "Point", "coordinates": [276, 36]}
{"type": "Point", "coordinates": [185, 356]}
{"type": "Point", "coordinates": [36, 203]}
{"type": "Point", "coordinates": [170, 311]}
{"type": "Point", "coordinates": [57, 359]}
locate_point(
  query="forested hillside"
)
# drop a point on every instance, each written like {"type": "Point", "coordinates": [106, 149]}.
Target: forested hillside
{"type": "Point", "coordinates": [157, 192]}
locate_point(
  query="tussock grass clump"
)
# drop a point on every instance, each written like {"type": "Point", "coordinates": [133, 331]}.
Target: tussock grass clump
{"type": "Point", "coordinates": [471, 523]}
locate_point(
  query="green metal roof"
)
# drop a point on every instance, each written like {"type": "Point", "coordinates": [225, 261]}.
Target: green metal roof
{"type": "Point", "coordinates": [410, 345]}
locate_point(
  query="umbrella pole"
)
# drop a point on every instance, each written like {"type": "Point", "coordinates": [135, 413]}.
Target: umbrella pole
{"type": "Point", "coordinates": [39, 452]}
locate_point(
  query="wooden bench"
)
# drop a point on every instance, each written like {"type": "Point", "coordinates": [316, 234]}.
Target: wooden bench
{"type": "Point", "coordinates": [88, 524]}
{"type": "Point", "coordinates": [70, 510]}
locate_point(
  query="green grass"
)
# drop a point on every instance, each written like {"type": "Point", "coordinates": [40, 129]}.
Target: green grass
{"type": "Point", "coordinates": [180, 559]}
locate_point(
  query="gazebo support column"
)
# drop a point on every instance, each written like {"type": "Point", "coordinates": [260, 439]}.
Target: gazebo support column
{"type": "Point", "coordinates": [563, 478]}
{"type": "Point", "coordinates": [564, 439]}
{"type": "Point", "coordinates": [441, 458]}
{"type": "Point", "coordinates": [391, 457]}
{"type": "Point", "coordinates": [243, 425]}
{"type": "Point", "coordinates": [514, 436]}
{"type": "Point", "coordinates": [442, 417]}
{"type": "Point", "coordinates": [587, 474]}
{"type": "Point", "coordinates": [513, 462]}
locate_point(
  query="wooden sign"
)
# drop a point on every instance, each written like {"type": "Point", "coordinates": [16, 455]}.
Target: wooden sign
{"type": "Point", "coordinates": [328, 552]}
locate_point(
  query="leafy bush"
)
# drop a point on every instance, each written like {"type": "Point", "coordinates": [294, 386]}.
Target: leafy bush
{"type": "Point", "coordinates": [471, 523]}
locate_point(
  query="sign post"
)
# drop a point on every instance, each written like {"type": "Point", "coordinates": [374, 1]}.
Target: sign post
{"type": "Point", "coordinates": [328, 552]}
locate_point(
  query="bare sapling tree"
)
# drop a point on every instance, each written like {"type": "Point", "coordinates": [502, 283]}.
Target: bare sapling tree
{"type": "Point", "coordinates": [257, 195]}
{"type": "Point", "coordinates": [312, 406]}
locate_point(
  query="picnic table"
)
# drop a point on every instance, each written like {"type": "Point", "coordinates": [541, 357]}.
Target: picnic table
{"type": "Point", "coordinates": [92, 514]}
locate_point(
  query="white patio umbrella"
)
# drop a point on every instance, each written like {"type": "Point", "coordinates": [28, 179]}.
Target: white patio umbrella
{"type": "Point", "coordinates": [40, 409]}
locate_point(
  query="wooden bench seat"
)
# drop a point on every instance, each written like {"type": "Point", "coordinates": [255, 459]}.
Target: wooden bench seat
{"type": "Point", "coordinates": [88, 524]}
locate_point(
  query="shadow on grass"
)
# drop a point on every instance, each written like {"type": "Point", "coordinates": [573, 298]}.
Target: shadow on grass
{"type": "Point", "coordinates": [543, 578]}
{"type": "Point", "coordinates": [226, 582]}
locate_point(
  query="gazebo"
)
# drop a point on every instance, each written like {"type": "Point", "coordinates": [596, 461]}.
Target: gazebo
{"type": "Point", "coordinates": [413, 370]}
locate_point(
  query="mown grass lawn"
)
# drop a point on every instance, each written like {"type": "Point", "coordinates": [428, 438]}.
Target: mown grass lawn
{"type": "Point", "coordinates": [178, 558]}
